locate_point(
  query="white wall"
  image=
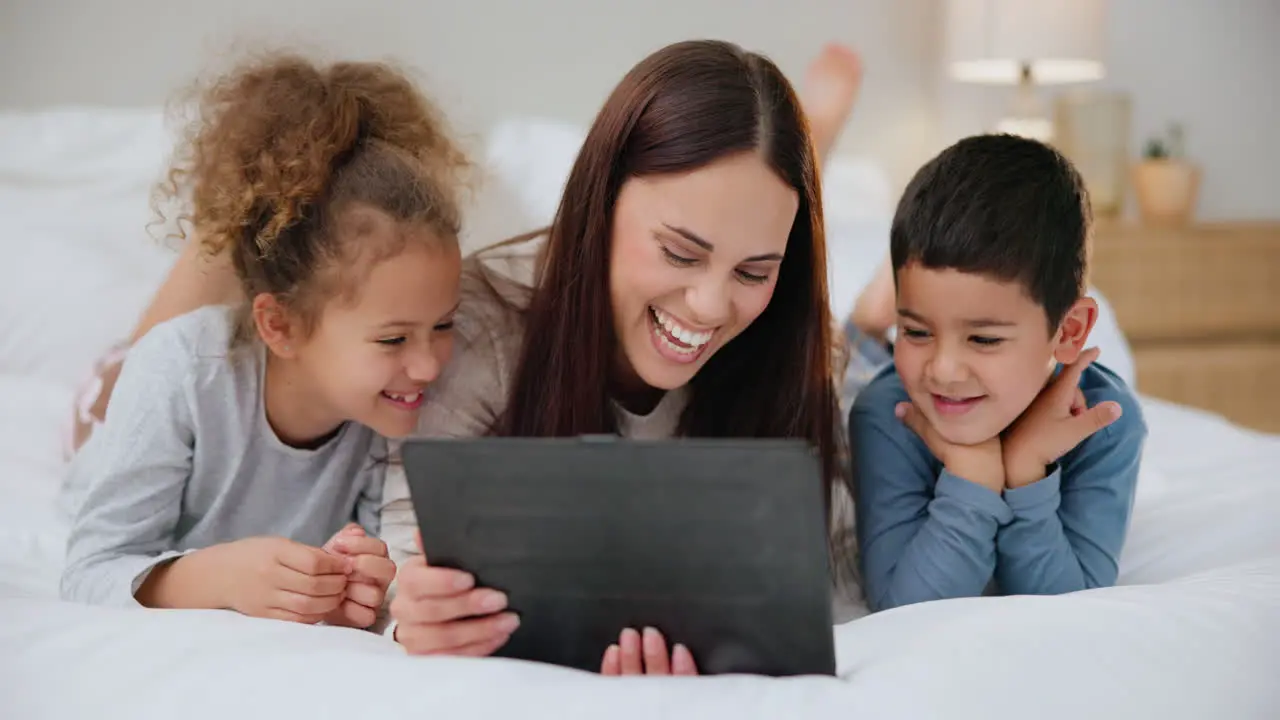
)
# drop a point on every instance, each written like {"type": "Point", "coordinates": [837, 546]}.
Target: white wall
{"type": "Point", "coordinates": [1213, 65]}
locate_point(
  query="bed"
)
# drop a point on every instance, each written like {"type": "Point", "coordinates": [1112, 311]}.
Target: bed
{"type": "Point", "coordinates": [1191, 631]}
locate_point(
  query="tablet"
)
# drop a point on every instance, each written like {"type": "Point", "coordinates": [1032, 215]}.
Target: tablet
{"type": "Point", "coordinates": [719, 544]}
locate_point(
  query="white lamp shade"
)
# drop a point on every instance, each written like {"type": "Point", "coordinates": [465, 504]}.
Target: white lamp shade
{"type": "Point", "coordinates": [989, 41]}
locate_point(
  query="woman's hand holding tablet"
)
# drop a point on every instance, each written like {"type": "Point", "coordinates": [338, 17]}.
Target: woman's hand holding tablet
{"type": "Point", "coordinates": [440, 611]}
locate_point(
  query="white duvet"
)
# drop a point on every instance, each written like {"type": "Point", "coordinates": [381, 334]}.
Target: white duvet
{"type": "Point", "coordinates": [1192, 631]}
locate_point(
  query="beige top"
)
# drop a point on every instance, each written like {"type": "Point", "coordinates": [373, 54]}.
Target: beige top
{"type": "Point", "coordinates": [472, 391]}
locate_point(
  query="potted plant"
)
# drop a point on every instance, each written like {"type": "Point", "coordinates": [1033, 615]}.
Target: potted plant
{"type": "Point", "coordinates": [1166, 183]}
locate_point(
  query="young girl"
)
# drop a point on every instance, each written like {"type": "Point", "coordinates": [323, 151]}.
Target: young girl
{"type": "Point", "coordinates": [242, 441]}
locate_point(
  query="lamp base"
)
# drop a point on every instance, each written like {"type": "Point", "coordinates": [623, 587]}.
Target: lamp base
{"type": "Point", "coordinates": [1026, 116]}
{"type": "Point", "coordinates": [1035, 128]}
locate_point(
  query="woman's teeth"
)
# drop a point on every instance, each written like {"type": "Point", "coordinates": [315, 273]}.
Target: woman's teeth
{"type": "Point", "coordinates": [408, 399]}
{"type": "Point", "coordinates": [692, 339]}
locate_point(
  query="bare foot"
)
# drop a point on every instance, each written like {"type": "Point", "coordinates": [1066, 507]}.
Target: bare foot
{"type": "Point", "coordinates": [831, 86]}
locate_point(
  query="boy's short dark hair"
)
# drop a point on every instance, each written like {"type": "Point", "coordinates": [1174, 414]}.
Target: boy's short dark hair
{"type": "Point", "coordinates": [1004, 207]}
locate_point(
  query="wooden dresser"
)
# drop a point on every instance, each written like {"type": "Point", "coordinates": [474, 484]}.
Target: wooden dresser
{"type": "Point", "coordinates": [1201, 308]}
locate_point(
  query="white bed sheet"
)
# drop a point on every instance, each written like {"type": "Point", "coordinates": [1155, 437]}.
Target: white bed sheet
{"type": "Point", "coordinates": [1193, 630]}
{"type": "Point", "coordinates": [1124, 653]}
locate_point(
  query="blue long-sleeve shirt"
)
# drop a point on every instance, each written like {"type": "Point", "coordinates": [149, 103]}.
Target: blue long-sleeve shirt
{"type": "Point", "coordinates": [926, 534]}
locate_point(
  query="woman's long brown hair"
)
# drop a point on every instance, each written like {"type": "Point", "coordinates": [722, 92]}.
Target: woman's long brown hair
{"type": "Point", "coordinates": [680, 109]}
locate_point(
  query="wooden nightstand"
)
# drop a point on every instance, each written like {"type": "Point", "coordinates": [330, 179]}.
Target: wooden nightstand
{"type": "Point", "coordinates": [1201, 309]}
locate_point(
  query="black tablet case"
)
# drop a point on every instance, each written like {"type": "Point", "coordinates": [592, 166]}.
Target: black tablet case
{"type": "Point", "coordinates": [719, 544]}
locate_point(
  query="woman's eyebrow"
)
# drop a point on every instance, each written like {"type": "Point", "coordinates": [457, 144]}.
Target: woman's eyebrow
{"type": "Point", "coordinates": [691, 236]}
{"type": "Point", "coordinates": [706, 245]}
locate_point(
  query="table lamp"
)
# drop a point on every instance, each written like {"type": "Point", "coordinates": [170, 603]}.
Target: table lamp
{"type": "Point", "coordinates": [1025, 43]}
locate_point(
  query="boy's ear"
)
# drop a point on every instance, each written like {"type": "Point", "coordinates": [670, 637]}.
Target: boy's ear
{"type": "Point", "coordinates": [278, 328]}
{"type": "Point", "coordinates": [1073, 331]}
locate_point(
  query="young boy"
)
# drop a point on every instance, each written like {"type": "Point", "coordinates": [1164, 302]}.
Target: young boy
{"type": "Point", "coordinates": [993, 448]}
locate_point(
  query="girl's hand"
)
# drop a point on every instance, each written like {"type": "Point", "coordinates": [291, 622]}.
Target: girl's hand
{"type": "Point", "coordinates": [439, 611]}
{"type": "Point", "coordinates": [637, 654]}
{"type": "Point", "coordinates": [273, 577]}
{"type": "Point", "coordinates": [371, 575]}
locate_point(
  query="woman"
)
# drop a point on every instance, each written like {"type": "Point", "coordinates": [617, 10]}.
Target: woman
{"type": "Point", "coordinates": [681, 290]}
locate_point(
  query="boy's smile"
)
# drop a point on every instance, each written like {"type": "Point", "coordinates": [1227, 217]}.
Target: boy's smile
{"type": "Point", "coordinates": [951, 405]}
{"type": "Point", "coordinates": [972, 352]}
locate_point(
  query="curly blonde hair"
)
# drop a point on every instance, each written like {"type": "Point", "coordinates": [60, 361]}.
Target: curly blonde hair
{"type": "Point", "coordinates": [282, 147]}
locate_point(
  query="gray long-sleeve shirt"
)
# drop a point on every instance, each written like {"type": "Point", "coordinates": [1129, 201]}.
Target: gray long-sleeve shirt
{"type": "Point", "coordinates": [186, 459]}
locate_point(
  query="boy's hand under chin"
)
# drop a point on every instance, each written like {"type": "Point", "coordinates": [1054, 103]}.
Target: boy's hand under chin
{"type": "Point", "coordinates": [1053, 425]}
{"type": "Point", "coordinates": [982, 463]}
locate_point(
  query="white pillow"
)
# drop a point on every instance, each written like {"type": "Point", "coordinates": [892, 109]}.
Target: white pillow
{"type": "Point", "coordinates": [71, 292]}
{"type": "Point", "coordinates": [83, 144]}
{"type": "Point", "coordinates": [532, 158]}
{"type": "Point", "coordinates": [80, 265]}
